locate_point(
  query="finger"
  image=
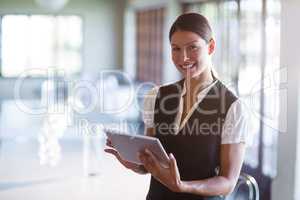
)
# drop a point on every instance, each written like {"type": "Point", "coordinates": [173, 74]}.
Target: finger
{"type": "Point", "coordinates": [115, 153]}
{"type": "Point", "coordinates": [174, 168]}
{"type": "Point", "coordinates": [149, 168]}
{"type": "Point", "coordinates": [152, 165]}
{"type": "Point", "coordinates": [141, 157]}
{"type": "Point", "coordinates": [108, 143]}
{"type": "Point", "coordinates": [145, 159]}
{"type": "Point", "coordinates": [118, 156]}
{"type": "Point", "coordinates": [111, 151]}
{"type": "Point", "coordinates": [151, 158]}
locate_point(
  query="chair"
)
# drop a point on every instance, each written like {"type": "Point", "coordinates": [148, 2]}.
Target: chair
{"type": "Point", "coordinates": [245, 189]}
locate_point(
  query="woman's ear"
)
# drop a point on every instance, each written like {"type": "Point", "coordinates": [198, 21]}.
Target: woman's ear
{"type": "Point", "coordinates": [211, 46]}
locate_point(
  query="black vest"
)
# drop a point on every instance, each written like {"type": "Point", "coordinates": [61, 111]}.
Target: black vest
{"type": "Point", "coordinates": [196, 146]}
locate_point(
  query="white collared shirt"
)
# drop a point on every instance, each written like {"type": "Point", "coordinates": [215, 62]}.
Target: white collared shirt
{"type": "Point", "coordinates": [236, 128]}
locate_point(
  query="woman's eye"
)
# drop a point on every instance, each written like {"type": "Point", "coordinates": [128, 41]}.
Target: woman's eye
{"type": "Point", "coordinates": [193, 47]}
{"type": "Point", "coordinates": [175, 49]}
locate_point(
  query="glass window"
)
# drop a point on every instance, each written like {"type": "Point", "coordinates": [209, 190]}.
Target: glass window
{"type": "Point", "coordinates": [40, 42]}
{"type": "Point", "coordinates": [224, 21]}
{"type": "Point", "coordinates": [238, 57]}
{"type": "Point", "coordinates": [250, 71]}
{"type": "Point", "coordinates": [273, 89]}
{"type": "Point", "coordinates": [149, 37]}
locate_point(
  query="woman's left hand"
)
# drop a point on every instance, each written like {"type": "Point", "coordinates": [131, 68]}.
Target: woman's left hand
{"type": "Point", "coordinates": [168, 176]}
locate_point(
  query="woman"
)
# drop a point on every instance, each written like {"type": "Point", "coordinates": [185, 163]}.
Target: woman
{"type": "Point", "coordinates": [201, 124]}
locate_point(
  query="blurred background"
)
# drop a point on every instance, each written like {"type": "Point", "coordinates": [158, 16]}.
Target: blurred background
{"type": "Point", "coordinates": [68, 68]}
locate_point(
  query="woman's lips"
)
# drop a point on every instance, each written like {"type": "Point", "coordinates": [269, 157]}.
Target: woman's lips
{"type": "Point", "coordinates": [189, 66]}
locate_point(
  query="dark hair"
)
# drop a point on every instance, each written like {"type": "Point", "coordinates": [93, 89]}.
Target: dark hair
{"type": "Point", "coordinates": [192, 22]}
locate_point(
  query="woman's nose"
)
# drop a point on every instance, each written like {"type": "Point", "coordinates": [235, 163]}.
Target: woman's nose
{"type": "Point", "coordinates": [184, 56]}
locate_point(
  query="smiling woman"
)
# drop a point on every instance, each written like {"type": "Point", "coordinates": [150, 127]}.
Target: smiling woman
{"type": "Point", "coordinates": [201, 124]}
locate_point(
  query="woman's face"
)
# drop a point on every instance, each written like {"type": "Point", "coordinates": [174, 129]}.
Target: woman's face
{"type": "Point", "coordinates": [190, 53]}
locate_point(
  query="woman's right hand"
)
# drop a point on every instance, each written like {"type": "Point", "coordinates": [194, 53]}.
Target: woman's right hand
{"type": "Point", "coordinates": [129, 165]}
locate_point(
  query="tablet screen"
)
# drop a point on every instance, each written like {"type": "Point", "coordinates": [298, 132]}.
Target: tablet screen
{"type": "Point", "coordinates": [129, 145]}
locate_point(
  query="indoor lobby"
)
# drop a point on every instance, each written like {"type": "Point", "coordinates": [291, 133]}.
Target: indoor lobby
{"type": "Point", "coordinates": [69, 69]}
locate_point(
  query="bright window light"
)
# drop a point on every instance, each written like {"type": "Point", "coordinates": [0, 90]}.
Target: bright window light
{"type": "Point", "coordinates": [40, 42]}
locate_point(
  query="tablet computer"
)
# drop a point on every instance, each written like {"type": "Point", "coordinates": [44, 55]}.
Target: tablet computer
{"type": "Point", "coordinates": [129, 145]}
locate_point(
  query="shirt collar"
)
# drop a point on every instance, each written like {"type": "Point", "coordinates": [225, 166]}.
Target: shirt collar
{"type": "Point", "coordinates": [202, 92]}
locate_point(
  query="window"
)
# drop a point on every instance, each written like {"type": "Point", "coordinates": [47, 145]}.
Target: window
{"type": "Point", "coordinates": [150, 44]}
{"type": "Point", "coordinates": [274, 89]}
{"type": "Point", "coordinates": [250, 71]}
{"type": "Point", "coordinates": [40, 42]}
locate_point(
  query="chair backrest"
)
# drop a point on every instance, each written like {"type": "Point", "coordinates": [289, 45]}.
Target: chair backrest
{"type": "Point", "coordinates": [245, 189]}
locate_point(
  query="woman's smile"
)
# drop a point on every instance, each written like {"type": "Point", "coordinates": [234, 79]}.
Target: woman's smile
{"type": "Point", "coordinates": [188, 66]}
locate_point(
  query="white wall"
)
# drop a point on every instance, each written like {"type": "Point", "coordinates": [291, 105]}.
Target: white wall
{"type": "Point", "coordinates": [287, 183]}
{"type": "Point", "coordinates": [102, 30]}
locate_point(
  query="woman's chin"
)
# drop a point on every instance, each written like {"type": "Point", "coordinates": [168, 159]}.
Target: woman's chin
{"type": "Point", "coordinates": [190, 73]}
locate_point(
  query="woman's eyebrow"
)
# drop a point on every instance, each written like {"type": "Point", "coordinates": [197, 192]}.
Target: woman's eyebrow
{"type": "Point", "coordinates": [173, 44]}
{"type": "Point", "coordinates": [190, 42]}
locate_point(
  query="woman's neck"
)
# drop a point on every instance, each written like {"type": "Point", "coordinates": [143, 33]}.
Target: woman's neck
{"type": "Point", "coordinates": [199, 82]}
